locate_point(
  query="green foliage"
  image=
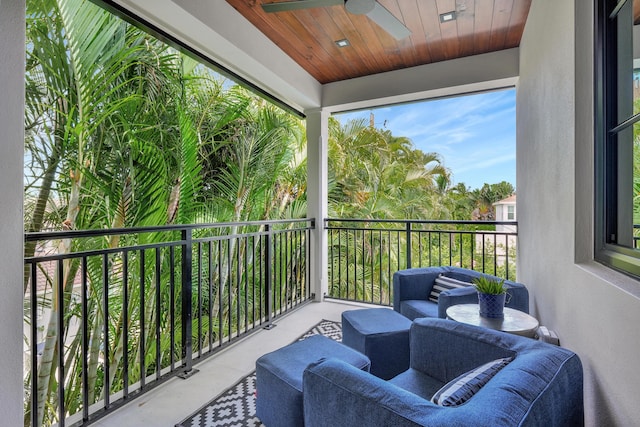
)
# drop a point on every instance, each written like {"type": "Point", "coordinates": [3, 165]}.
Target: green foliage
{"type": "Point", "coordinates": [374, 174]}
{"type": "Point", "coordinates": [490, 286]}
{"type": "Point", "coordinates": [123, 131]}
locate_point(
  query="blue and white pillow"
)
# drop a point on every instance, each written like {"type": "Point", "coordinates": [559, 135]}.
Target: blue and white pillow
{"type": "Point", "coordinates": [461, 389]}
{"type": "Point", "coordinates": [444, 283]}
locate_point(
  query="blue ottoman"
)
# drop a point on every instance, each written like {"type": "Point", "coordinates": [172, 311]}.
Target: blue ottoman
{"type": "Point", "coordinates": [383, 335]}
{"type": "Point", "coordinates": [279, 377]}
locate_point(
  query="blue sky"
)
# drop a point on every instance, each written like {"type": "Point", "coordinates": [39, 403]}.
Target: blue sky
{"type": "Point", "coordinates": [474, 134]}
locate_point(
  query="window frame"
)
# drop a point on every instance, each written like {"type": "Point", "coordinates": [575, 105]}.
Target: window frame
{"type": "Point", "coordinates": [607, 197]}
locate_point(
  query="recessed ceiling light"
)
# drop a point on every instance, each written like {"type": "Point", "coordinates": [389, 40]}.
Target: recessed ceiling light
{"type": "Point", "coordinates": [449, 16]}
{"type": "Point", "coordinates": [342, 43]}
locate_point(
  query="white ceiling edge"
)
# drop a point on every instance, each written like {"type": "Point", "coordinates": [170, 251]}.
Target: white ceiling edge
{"type": "Point", "coordinates": [217, 30]}
{"type": "Point", "coordinates": [470, 74]}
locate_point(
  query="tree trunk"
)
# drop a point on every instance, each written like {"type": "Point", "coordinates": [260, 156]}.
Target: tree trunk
{"type": "Point", "coordinates": [48, 363]}
{"type": "Point", "coordinates": [37, 218]}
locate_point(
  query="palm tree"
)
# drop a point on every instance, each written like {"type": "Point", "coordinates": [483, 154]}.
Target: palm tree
{"type": "Point", "coordinates": [94, 88]}
{"type": "Point", "coordinates": [122, 131]}
{"type": "Point", "coordinates": [486, 196]}
{"type": "Point", "coordinates": [378, 175]}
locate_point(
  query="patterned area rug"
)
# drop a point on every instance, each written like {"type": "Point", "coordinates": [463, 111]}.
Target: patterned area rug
{"type": "Point", "coordinates": [236, 407]}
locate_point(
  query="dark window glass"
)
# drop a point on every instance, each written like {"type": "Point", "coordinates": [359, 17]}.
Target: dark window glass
{"type": "Point", "coordinates": [618, 134]}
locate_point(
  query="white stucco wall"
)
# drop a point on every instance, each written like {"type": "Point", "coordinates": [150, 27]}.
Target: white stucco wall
{"type": "Point", "coordinates": [11, 145]}
{"type": "Point", "coordinates": [595, 311]}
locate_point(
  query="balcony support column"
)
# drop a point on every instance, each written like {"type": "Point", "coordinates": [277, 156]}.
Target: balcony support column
{"type": "Point", "coordinates": [317, 190]}
{"type": "Point", "coordinates": [12, 52]}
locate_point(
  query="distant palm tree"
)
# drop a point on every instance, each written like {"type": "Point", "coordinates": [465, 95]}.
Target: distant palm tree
{"type": "Point", "coordinates": [377, 175]}
{"type": "Point", "coordinates": [485, 197]}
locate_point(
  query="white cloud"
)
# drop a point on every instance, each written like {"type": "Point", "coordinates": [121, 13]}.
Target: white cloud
{"type": "Point", "coordinates": [484, 163]}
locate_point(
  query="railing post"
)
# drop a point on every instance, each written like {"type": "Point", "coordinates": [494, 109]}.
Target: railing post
{"type": "Point", "coordinates": [267, 277]}
{"type": "Point", "coordinates": [187, 306]}
{"type": "Point", "coordinates": [408, 244]}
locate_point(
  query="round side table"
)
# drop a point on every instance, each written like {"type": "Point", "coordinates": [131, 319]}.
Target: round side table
{"type": "Point", "coordinates": [514, 321]}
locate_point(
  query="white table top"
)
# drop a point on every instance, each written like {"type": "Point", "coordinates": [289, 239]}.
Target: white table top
{"type": "Point", "coordinates": [514, 321]}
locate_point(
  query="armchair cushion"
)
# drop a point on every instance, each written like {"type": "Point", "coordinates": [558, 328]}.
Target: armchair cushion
{"type": "Point", "coordinates": [414, 308]}
{"type": "Point", "coordinates": [462, 388]}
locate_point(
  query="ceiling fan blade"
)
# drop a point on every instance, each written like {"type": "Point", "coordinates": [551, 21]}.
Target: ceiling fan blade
{"type": "Point", "coordinates": [299, 4]}
{"type": "Point", "coordinates": [388, 22]}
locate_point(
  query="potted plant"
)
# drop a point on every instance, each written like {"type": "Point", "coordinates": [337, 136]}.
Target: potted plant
{"type": "Point", "coordinates": [491, 296]}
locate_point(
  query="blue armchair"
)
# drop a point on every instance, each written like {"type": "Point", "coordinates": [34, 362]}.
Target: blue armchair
{"type": "Point", "coordinates": [412, 287]}
{"type": "Point", "coordinates": [541, 385]}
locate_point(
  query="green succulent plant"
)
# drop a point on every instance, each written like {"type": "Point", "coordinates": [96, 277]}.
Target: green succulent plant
{"type": "Point", "coordinates": [486, 285]}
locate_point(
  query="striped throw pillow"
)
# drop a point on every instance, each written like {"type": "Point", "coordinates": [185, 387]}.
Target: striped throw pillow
{"type": "Point", "coordinates": [444, 283]}
{"type": "Point", "coordinates": [461, 389]}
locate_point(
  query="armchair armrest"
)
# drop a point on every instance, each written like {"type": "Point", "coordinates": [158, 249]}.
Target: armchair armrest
{"type": "Point", "coordinates": [467, 295]}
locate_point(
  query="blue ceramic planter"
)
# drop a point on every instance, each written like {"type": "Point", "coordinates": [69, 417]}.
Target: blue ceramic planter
{"type": "Point", "coordinates": [491, 305]}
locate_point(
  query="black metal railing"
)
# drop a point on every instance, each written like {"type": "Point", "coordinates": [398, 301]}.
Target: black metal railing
{"type": "Point", "coordinates": [364, 254]}
{"type": "Point", "coordinates": [110, 314]}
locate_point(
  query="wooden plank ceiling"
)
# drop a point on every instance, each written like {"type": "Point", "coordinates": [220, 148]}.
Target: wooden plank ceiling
{"type": "Point", "coordinates": [309, 35]}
